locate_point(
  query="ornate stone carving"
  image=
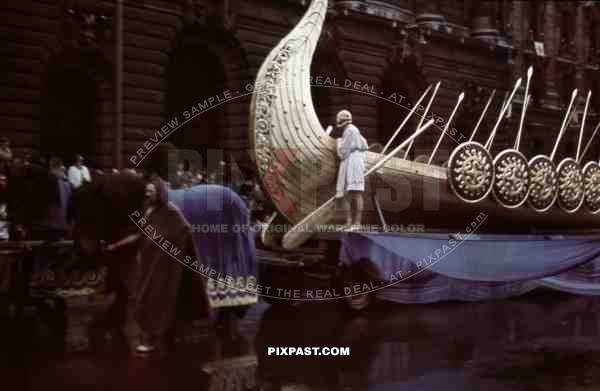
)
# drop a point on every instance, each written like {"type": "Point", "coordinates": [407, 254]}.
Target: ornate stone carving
{"type": "Point", "coordinates": [543, 183]}
{"type": "Point", "coordinates": [471, 172]}
{"type": "Point", "coordinates": [511, 186]}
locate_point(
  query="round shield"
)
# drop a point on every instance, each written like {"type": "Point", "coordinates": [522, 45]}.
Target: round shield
{"type": "Point", "coordinates": [591, 187]}
{"type": "Point", "coordinates": [511, 186]}
{"type": "Point", "coordinates": [471, 172]}
{"type": "Point", "coordinates": [543, 183]}
{"type": "Point", "coordinates": [570, 185]}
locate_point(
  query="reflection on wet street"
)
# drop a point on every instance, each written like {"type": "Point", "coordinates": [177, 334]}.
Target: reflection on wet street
{"type": "Point", "coordinates": [539, 341]}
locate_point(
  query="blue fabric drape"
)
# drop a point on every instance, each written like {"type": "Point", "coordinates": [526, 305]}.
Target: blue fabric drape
{"type": "Point", "coordinates": [475, 260]}
{"type": "Point", "coordinates": [583, 280]}
{"type": "Point", "coordinates": [223, 237]}
{"type": "Point", "coordinates": [476, 269]}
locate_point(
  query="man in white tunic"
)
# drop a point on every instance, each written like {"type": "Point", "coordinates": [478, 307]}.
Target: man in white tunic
{"type": "Point", "coordinates": [78, 174]}
{"type": "Point", "coordinates": [351, 179]}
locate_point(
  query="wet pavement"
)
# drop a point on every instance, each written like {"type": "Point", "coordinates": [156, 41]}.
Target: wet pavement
{"type": "Point", "coordinates": [540, 341]}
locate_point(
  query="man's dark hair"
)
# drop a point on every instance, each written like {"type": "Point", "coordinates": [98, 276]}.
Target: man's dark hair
{"type": "Point", "coordinates": [161, 162]}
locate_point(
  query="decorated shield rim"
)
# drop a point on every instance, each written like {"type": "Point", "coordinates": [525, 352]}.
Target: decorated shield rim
{"type": "Point", "coordinates": [449, 172]}
{"type": "Point", "coordinates": [496, 159]}
{"type": "Point", "coordinates": [581, 200]}
{"type": "Point", "coordinates": [537, 157]}
{"type": "Point", "coordinates": [583, 171]}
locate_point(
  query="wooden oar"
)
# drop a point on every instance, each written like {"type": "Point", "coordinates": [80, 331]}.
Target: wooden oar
{"type": "Point", "coordinates": [589, 143]}
{"type": "Point", "coordinates": [460, 99]}
{"type": "Point", "coordinates": [564, 124]}
{"type": "Point", "coordinates": [511, 166]}
{"type": "Point", "coordinates": [302, 231]}
{"type": "Point", "coordinates": [488, 144]}
{"type": "Point", "coordinates": [525, 103]}
{"type": "Point", "coordinates": [422, 117]}
{"type": "Point", "coordinates": [482, 114]}
{"type": "Point", "coordinates": [405, 121]}
{"type": "Point", "coordinates": [570, 181]}
{"type": "Point", "coordinates": [544, 174]}
{"type": "Point", "coordinates": [587, 102]}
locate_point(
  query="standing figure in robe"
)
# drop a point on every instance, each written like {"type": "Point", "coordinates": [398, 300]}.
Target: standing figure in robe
{"type": "Point", "coordinates": [160, 267]}
{"type": "Point", "coordinates": [351, 179]}
{"type": "Point", "coordinates": [145, 272]}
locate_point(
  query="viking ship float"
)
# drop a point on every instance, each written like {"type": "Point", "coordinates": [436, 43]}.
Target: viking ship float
{"type": "Point", "coordinates": [297, 161]}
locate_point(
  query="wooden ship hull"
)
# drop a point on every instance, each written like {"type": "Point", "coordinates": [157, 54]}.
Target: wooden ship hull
{"type": "Point", "coordinates": [298, 164]}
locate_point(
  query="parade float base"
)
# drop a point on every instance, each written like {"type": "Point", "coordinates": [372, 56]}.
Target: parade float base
{"type": "Point", "coordinates": [468, 267]}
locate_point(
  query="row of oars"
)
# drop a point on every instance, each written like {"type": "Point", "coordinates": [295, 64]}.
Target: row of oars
{"type": "Point", "coordinates": [513, 180]}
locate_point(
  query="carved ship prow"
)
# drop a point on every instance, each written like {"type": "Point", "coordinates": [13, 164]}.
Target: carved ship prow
{"type": "Point", "coordinates": [297, 162]}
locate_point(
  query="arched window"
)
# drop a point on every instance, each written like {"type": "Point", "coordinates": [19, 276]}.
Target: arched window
{"type": "Point", "coordinates": [566, 18]}
{"type": "Point", "coordinates": [404, 82]}
{"type": "Point", "coordinates": [195, 75]}
{"type": "Point", "coordinates": [68, 114]}
{"type": "Point", "coordinates": [565, 82]}
{"type": "Point", "coordinates": [593, 78]}
{"type": "Point", "coordinates": [593, 35]}
{"type": "Point", "coordinates": [535, 19]}
{"type": "Point", "coordinates": [537, 89]}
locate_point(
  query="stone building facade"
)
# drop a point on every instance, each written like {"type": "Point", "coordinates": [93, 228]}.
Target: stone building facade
{"type": "Point", "coordinates": [61, 69]}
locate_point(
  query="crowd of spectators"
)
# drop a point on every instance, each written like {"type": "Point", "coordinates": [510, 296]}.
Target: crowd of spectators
{"type": "Point", "coordinates": [243, 183]}
{"type": "Point", "coordinates": [58, 269]}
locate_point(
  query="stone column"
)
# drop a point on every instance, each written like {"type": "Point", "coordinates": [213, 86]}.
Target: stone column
{"type": "Point", "coordinates": [118, 69]}
{"type": "Point", "coordinates": [520, 41]}
{"type": "Point", "coordinates": [429, 14]}
{"type": "Point", "coordinates": [595, 34]}
{"type": "Point", "coordinates": [580, 48]}
{"type": "Point", "coordinates": [483, 22]}
{"type": "Point", "coordinates": [519, 32]}
{"type": "Point", "coordinates": [550, 98]}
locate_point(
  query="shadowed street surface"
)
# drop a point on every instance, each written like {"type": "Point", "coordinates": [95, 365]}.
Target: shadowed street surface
{"type": "Point", "coordinates": [539, 341]}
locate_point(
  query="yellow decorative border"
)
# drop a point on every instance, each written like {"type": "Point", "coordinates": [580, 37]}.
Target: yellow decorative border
{"type": "Point", "coordinates": [222, 294]}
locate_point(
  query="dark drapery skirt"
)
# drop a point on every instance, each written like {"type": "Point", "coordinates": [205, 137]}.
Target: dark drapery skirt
{"type": "Point", "coordinates": [158, 273]}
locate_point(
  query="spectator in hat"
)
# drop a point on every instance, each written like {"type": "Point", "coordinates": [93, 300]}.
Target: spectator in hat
{"type": "Point", "coordinates": [78, 173]}
{"type": "Point", "coordinates": [185, 177]}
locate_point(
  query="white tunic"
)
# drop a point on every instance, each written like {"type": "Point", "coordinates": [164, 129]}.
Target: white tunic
{"type": "Point", "coordinates": [350, 150]}
{"type": "Point", "coordinates": [78, 175]}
